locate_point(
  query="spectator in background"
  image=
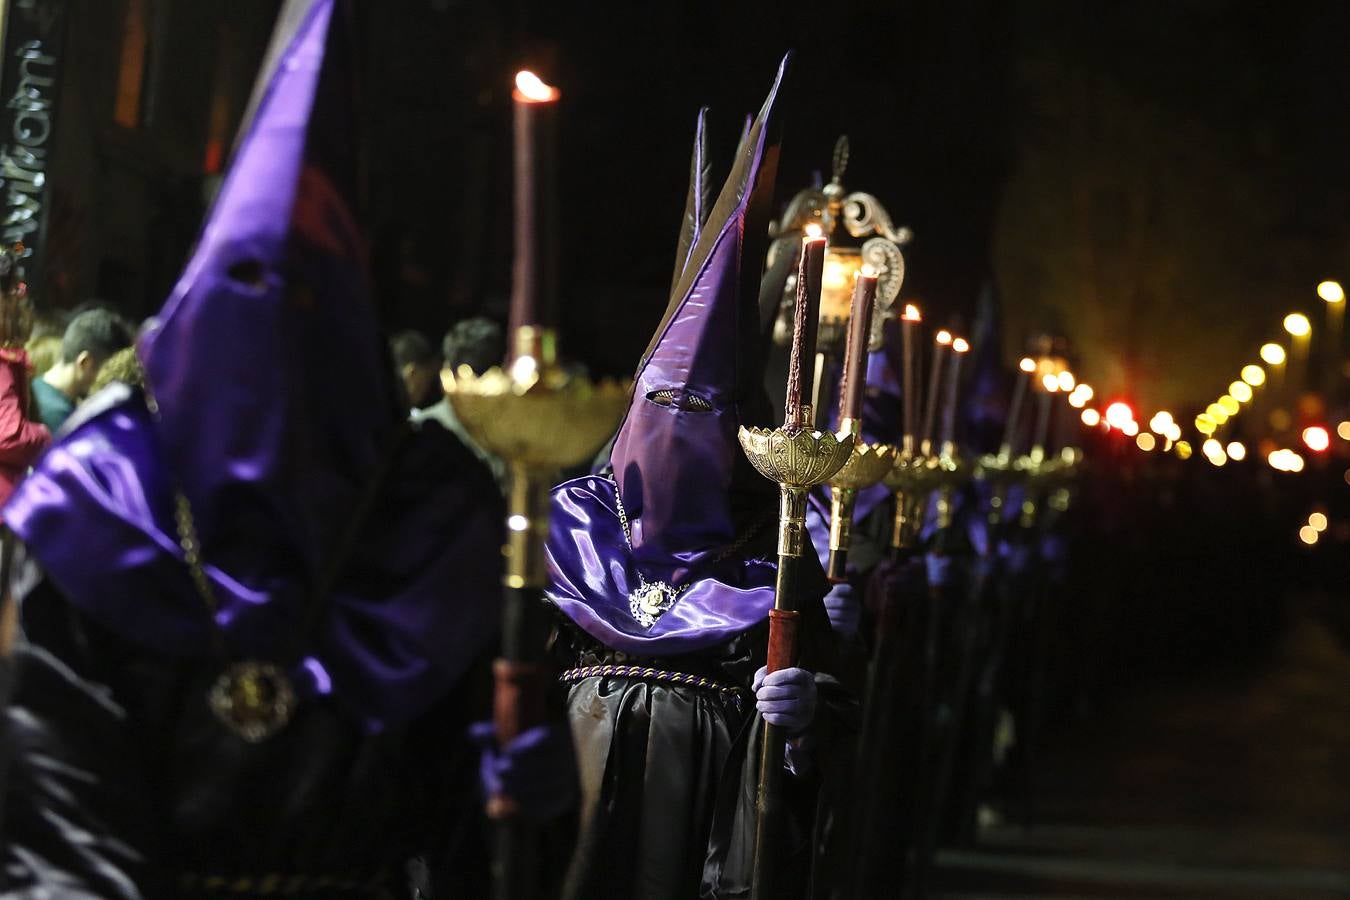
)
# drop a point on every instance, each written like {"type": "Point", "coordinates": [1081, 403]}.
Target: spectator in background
{"type": "Point", "coordinates": [479, 344]}
{"type": "Point", "coordinates": [43, 352]}
{"type": "Point", "coordinates": [91, 337]}
{"type": "Point", "coordinates": [21, 438]}
{"type": "Point", "coordinates": [123, 366]}
{"type": "Point", "coordinates": [417, 365]}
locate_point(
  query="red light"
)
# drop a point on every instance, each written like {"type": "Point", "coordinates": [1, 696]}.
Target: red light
{"type": "Point", "coordinates": [1317, 438]}
{"type": "Point", "coordinates": [1119, 414]}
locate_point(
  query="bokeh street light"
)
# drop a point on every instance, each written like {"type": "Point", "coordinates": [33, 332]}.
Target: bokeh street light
{"type": "Point", "coordinates": [1297, 324]}
{"type": "Point", "coordinates": [1254, 375]}
{"type": "Point", "coordinates": [1273, 354]}
{"type": "Point", "coordinates": [1331, 291]}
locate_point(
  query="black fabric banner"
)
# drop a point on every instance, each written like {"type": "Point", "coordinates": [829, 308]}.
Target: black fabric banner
{"type": "Point", "coordinates": [29, 79]}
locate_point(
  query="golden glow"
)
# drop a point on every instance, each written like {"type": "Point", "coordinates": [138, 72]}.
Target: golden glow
{"type": "Point", "coordinates": [1118, 413]}
{"type": "Point", "coordinates": [1211, 447]}
{"type": "Point", "coordinates": [1273, 354]}
{"type": "Point", "coordinates": [912, 313]}
{"type": "Point", "coordinates": [1316, 438]}
{"type": "Point", "coordinates": [532, 89]}
{"type": "Point", "coordinates": [1130, 428]}
{"type": "Point", "coordinates": [1318, 520]}
{"type": "Point", "coordinates": [1298, 325]}
{"type": "Point", "coordinates": [1240, 391]}
{"type": "Point", "coordinates": [1091, 418]}
{"type": "Point", "coordinates": [1084, 390]}
{"type": "Point", "coordinates": [1066, 381]}
{"type": "Point", "coordinates": [1308, 535]}
{"type": "Point", "coordinates": [1254, 375]}
{"type": "Point", "coordinates": [1285, 460]}
{"type": "Point", "coordinates": [1077, 400]}
{"type": "Point", "coordinates": [960, 345]}
{"type": "Point", "coordinates": [1027, 364]}
{"type": "Point", "coordinates": [1229, 405]}
{"type": "Point", "coordinates": [1183, 449]}
{"type": "Point", "coordinates": [1331, 291]}
{"type": "Point", "coordinates": [813, 231]}
{"type": "Point", "coordinates": [837, 277]}
{"type": "Point", "coordinates": [1145, 441]}
{"type": "Point", "coordinates": [943, 337]}
{"type": "Point", "coordinates": [1205, 425]}
{"type": "Point", "coordinates": [1236, 451]}
{"type": "Point", "coordinates": [1050, 383]}
{"type": "Point", "coordinates": [1343, 431]}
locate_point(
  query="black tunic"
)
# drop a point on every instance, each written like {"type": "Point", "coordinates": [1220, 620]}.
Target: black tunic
{"type": "Point", "coordinates": [668, 771]}
{"type": "Point", "coordinates": [122, 783]}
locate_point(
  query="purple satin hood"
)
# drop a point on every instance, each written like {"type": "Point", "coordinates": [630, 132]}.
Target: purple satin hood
{"type": "Point", "coordinates": [273, 390]}
{"type": "Point", "coordinates": [676, 461]}
{"type": "Point", "coordinates": [592, 572]}
{"type": "Point", "coordinates": [274, 407]}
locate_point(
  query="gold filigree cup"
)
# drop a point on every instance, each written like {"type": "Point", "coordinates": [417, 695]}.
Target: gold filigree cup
{"type": "Point", "coordinates": [867, 465]}
{"type": "Point", "coordinates": [796, 459]}
{"type": "Point", "coordinates": [542, 419]}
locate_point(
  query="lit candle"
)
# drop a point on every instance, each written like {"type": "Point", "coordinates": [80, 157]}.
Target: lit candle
{"type": "Point", "coordinates": [855, 351]}
{"type": "Point", "coordinates": [534, 276]}
{"type": "Point", "coordinates": [941, 342]}
{"type": "Point", "coordinates": [909, 323]}
{"type": "Point", "coordinates": [1024, 370]}
{"type": "Point", "coordinates": [805, 322]}
{"type": "Point", "coordinates": [959, 349]}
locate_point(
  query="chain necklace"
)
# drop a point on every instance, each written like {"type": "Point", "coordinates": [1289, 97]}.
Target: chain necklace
{"type": "Point", "coordinates": [652, 599]}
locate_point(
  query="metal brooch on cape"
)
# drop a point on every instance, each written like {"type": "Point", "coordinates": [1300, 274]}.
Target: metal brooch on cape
{"type": "Point", "coordinates": [253, 699]}
{"type": "Point", "coordinates": [651, 600]}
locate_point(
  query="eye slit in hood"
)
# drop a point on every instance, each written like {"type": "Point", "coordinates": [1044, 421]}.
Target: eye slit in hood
{"type": "Point", "coordinates": [680, 399]}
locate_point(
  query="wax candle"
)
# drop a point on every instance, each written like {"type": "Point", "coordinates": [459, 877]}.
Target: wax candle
{"type": "Point", "coordinates": [855, 349]}
{"type": "Point", "coordinates": [534, 281]}
{"type": "Point", "coordinates": [805, 322]}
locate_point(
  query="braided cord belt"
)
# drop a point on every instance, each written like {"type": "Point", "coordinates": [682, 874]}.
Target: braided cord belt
{"type": "Point", "coordinates": [284, 885]}
{"type": "Point", "coordinates": [647, 673]}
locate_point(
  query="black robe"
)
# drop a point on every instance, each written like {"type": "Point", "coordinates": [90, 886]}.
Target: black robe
{"type": "Point", "coordinates": [123, 784]}
{"type": "Point", "coordinates": [668, 772]}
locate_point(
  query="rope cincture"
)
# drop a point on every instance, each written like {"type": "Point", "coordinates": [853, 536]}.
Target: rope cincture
{"type": "Point", "coordinates": [647, 673]}
{"type": "Point", "coordinates": [277, 884]}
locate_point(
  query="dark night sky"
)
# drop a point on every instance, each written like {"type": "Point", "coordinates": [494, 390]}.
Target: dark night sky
{"type": "Point", "coordinates": [1161, 180]}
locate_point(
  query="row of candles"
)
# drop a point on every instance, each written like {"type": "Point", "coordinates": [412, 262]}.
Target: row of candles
{"type": "Point", "coordinates": [944, 370]}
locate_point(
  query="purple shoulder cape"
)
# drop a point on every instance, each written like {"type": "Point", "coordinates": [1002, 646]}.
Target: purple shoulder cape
{"type": "Point", "coordinates": [593, 572]}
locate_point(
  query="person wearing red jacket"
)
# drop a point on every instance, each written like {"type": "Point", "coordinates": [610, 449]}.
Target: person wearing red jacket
{"type": "Point", "coordinates": [22, 439]}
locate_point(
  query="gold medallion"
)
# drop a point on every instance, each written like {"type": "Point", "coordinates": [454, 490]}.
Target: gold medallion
{"type": "Point", "coordinates": [253, 699]}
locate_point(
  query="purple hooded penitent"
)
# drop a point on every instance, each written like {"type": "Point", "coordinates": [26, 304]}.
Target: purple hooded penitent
{"type": "Point", "coordinates": [273, 413]}
{"type": "Point", "coordinates": [679, 473]}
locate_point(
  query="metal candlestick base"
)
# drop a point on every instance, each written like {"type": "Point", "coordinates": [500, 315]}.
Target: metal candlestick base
{"type": "Point", "coordinates": [866, 466]}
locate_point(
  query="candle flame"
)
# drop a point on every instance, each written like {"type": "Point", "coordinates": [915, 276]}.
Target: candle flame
{"type": "Point", "coordinates": [868, 271]}
{"type": "Point", "coordinates": [1027, 364]}
{"type": "Point", "coordinates": [944, 337]}
{"type": "Point", "coordinates": [531, 88]}
{"type": "Point", "coordinates": [960, 345]}
{"type": "Point", "coordinates": [813, 231]}
{"type": "Point", "coordinates": [912, 313]}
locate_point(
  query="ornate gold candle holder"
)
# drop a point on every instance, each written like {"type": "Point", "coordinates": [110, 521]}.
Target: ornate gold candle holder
{"type": "Point", "coordinates": [867, 465]}
{"type": "Point", "coordinates": [539, 417]}
{"type": "Point", "coordinates": [797, 461]}
{"type": "Point", "coordinates": [947, 472]}
{"type": "Point", "coordinates": [908, 480]}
